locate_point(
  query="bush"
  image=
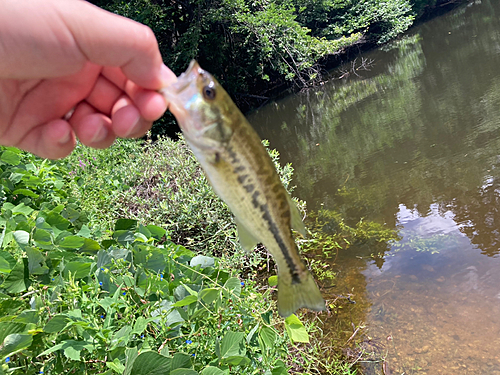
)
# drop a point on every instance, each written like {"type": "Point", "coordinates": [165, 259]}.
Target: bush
{"type": "Point", "coordinates": [133, 302]}
{"type": "Point", "coordinates": [160, 184]}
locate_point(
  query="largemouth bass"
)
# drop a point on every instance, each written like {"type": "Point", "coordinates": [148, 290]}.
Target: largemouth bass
{"type": "Point", "coordinates": [243, 175]}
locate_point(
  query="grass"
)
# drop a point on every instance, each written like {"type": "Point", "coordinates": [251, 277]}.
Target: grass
{"type": "Point", "coordinates": [113, 260]}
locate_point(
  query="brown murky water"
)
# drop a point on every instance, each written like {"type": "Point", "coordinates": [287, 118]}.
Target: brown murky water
{"type": "Point", "coordinates": [412, 132]}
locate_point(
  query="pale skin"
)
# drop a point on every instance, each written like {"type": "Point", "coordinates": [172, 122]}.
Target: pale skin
{"type": "Point", "coordinates": [69, 69]}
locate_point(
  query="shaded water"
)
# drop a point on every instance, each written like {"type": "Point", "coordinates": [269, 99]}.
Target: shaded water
{"type": "Point", "coordinates": [412, 141]}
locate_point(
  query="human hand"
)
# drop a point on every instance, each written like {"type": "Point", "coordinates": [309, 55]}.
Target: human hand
{"type": "Point", "coordinates": [68, 68]}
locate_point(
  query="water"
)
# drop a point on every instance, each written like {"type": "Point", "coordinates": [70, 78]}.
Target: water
{"type": "Point", "coordinates": [412, 133]}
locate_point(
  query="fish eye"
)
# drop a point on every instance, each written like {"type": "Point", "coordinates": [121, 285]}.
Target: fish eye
{"type": "Point", "coordinates": [209, 92]}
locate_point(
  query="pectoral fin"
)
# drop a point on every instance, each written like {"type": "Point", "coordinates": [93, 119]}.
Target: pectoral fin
{"type": "Point", "coordinates": [247, 240]}
{"type": "Point", "coordinates": [297, 222]}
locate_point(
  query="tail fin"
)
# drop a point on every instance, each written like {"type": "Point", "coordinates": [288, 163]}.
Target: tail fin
{"type": "Point", "coordinates": [292, 296]}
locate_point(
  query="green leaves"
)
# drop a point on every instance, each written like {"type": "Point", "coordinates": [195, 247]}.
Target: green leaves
{"type": "Point", "coordinates": [232, 349]}
{"type": "Point", "coordinates": [71, 296]}
{"type": "Point", "coordinates": [14, 343]}
{"type": "Point", "coordinates": [10, 156]}
{"type": "Point", "coordinates": [151, 363]}
{"type": "Point", "coordinates": [295, 329]}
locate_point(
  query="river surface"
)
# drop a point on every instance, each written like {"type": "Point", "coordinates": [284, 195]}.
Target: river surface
{"type": "Point", "coordinates": [409, 135]}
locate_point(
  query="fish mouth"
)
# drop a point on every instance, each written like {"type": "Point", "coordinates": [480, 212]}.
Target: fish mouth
{"type": "Point", "coordinates": [183, 81]}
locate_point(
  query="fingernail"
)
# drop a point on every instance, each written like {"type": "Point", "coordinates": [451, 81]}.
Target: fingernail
{"type": "Point", "coordinates": [133, 128]}
{"type": "Point", "coordinates": [65, 137]}
{"type": "Point", "coordinates": [167, 76]}
{"type": "Point", "coordinates": [100, 135]}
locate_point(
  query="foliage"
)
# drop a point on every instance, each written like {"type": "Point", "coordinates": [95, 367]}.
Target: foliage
{"type": "Point", "coordinates": [378, 21]}
{"type": "Point", "coordinates": [257, 47]}
{"type": "Point", "coordinates": [75, 301]}
{"type": "Point", "coordinates": [329, 233]}
{"type": "Point", "coordinates": [160, 184]}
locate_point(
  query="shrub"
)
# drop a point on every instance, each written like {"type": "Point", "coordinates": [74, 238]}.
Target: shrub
{"type": "Point", "coordinates": [133, 302]}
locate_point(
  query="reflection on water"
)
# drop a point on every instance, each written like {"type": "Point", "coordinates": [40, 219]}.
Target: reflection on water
{"type": "Point", "coordinates": [417, 136]}
{"type": "Point", "coordinates": [442, 310]}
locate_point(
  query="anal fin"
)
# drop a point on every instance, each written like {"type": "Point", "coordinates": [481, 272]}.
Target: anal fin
{"type": "Point", "coordinates": [247, 239]}
{"type": "Point", "coordinates": [297, 222]}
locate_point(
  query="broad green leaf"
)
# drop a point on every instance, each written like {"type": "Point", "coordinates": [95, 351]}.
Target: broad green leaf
{"type": "Point", "coordinates": [22, 209]}
{"type": "Point", "coordinates": [237, 360]}
{"type": "Point", "coordinates": [190, 291]}
{"type": "Point", "coordinates": [144, 231]}
{"type": "Point", "coordinates": [18, 279]}
{"type": "Point", "coordinates": [156, 261]}
{"type": "Point", "coordinates": [25, 192]}
{"type": "Point", "coordinates": [10, 327]}
{"type": "Point", "coordinates": [295, 329]}
{"type": "Point", "coordinates": [10, 306]}
{"type": "Point", "coordinates": [90, 246]}
{"type": "Point", "coordinates": [272, 280]}
{"type": "Point", "coordinates": [27, 316]}
{"type": "Point", "coordinates": [268, 336]}
{"type": "Point", "coordinates": [56, 220]}
{"type": "Point", "coordinates": [108, 243]}
{"type": "Point", "coordinates": [121, 337]}
{"type": "Point", "coordinates": [252, 333]}
{"type": "Point", "coordinates": [173, 318]}
{"type": "Point", "coordinates": [78, 270]}
{"type": "Point", "coordinates": [36, 261]}
{"type": "Point", "coordinates": [4, 265]}
{"type": "Point", "coordinates": [124, 237]}
{"type": "Point", "coordinates": [72, 242]}
{"type": "Point", "coordinates": [181, 360]}
{"type": "Point", "coordinates": [22, 238]}
{"type": "Point", "coordinates": [232, 344]}
{"type": "Point", "coordinates": [130, 357]}
{"type": "Point", "coordinates": [71, 214]}
{"type": "Point", "coordinates": [139, 326]}
{"type": "Point", "coordinates": [125, 224]}
{"type": "Point", "coordinates": [233, 285]}
{"type": "Point", "coordinates": [140, 237]}
{"type": "Point", "coordinates": [186, 301]}
{"type": "Point", "coordinates": [9, 258]}
{"type": "Point", "coordinates": [210, 370]}
{"type": "Point", "coordinates": [103, 259]}
{"type": "Point", "coordinates": [202, 261]}
{"type": "Point", "coordinates": [209, 295]}
{"type": "Point", "coordinates": [14, 343]}
{"type": "Point", "coordinates": [156, 232]}
{"type": "Point", "coordinates": [84, 231]}
{"type": "Point", "coordinates": [151, 363]}
{"type": "Point", "coordinates": [10, 157]}
{"type": "Point", "coordinates": [279, 369]}
{"type": "Point", "coordinates": [42, 236]}
{"type": "Point", "coordinates": [57, 323]}
{"type": "Point", "coordinates": [116, 366]}
{"type": "Point", "coordinates": [71, 348]}
{"type": "Point", "coordinates": [119, 253]}
{"type": "Point", "coordinates": [183, 371]}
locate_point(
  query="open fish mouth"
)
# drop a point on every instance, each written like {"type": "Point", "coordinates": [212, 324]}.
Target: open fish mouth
{"type": "Point", "coordinates": [183, 81]}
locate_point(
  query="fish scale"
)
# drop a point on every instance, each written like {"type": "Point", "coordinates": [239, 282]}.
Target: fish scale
{"type": "Point", "coordinates": [242, 173]}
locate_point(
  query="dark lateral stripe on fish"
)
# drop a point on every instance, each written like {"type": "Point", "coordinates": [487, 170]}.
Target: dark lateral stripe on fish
{"type": "Point", "coordinates": [284, 250]}
{"type": "Point", "coordinates": [276, 233]}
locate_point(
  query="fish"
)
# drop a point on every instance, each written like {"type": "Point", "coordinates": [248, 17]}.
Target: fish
{"type": "Point", "coordinates": [243, 175]}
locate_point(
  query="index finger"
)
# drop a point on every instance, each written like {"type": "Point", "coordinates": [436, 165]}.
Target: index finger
{"type": "Point", "coordinates": [107, 39]}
